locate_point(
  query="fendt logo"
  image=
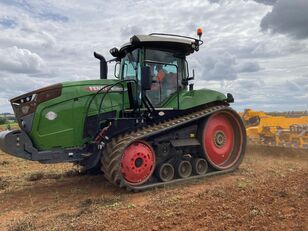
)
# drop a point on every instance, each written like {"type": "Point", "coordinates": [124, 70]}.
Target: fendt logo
{"type": "Point", "coordinates": [100, 88]}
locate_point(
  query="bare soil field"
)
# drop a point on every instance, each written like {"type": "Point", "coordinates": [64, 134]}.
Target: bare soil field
{"type": "Point", "coordinates": [268, 192]}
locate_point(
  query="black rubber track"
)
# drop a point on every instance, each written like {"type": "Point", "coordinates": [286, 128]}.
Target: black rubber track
{"type": "Point", "coordinates": [112, 153]}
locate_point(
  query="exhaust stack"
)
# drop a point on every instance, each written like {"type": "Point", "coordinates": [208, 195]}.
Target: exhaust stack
{"type": "Point", "coordinates": [103, 65]}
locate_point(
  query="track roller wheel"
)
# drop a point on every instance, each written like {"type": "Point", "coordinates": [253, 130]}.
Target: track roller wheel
{"type": "Point", "coordinates": [165, 172]}
{"type": "Point", "coordinates": [223, 140]}
{"type": "Point", "coordinates": [184, 169]}
{"type": "Point", "coordinates": [200, 166]}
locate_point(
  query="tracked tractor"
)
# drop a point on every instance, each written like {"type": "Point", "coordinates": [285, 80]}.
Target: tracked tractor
{"type": "Point", "coordinates": [145, 128]}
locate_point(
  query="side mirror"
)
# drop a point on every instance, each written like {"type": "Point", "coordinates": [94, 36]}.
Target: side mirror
{"type": "Point", "coordinates": [117, 70]}
{"type": "Point", "coordinates": [187, 68]}
{"type": "Point", "coordinates": [146, 80]}
{"type": "Point", "coordinates": [193, 75]}
{"type": "Point", "coordinates": [188, 78]}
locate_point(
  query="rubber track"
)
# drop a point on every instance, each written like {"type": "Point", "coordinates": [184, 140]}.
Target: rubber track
{"type": "Point", "coordinates": [111, 157]}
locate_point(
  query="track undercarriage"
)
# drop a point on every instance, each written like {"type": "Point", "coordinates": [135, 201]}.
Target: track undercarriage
{"type": "Point", "coordinates": [206, 142]}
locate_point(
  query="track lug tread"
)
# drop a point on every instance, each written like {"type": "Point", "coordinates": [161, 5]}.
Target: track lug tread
{"type": "Point", "coordinates": [114, 149]}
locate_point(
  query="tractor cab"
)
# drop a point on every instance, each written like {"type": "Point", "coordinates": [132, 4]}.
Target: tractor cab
{"type": "Point", "coordinates": [157, 62]}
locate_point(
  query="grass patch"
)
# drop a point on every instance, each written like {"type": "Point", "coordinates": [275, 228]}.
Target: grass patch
{"type": "Point", "coordinates": [171, 200]}
{"type": "Point", "coordinates": [73, 172]}
{"type": "Point", "coordinates": [3, 183]}
{"type": "Point", "coordinates": [35, 176]}
{"type": "Point", "coordinates": [131, 206]}
{"type": "Point", "coordinates": [105, 201]}
{"type": "Point", "coordinates": [4, 162]}
{"type": "Point", "coordinates": [54, 176]}
{"type": "Point", "coordinates": [221, 193]}
{"type": "Point", "coordinates": [23, 224]}
{"type": "Point", "coordinates": [243, 183]}
{"type": "Point", "coordinates": [41, 175]}
{"type": "Point", "coordinates": [255, 211]}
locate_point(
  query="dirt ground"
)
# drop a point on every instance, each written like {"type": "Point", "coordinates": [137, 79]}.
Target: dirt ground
{"type": "Point", "coordinates": [268, 192]}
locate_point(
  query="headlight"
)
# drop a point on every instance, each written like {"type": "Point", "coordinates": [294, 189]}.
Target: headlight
{"type": "Point", "coordinates": [51, 115]}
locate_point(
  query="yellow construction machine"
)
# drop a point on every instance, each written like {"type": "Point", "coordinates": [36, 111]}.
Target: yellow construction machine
{"type": "Point", "coordinates": [286, 131]}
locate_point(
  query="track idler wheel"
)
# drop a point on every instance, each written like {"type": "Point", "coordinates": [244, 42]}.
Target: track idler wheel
{"type": "Point", "coordinates": [223, 139]}
{"type": "Point", "coordinates": [184, 169]}
{"type": "Point", "coordinates": [166, 172]}
{"type": "Point", "coordinates": [200, 166]}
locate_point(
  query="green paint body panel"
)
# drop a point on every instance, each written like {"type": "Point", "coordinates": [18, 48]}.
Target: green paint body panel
{"type": "Point", "coordinates": [67, 129]}
{"type": "Point", "coordinates": [189, 99]}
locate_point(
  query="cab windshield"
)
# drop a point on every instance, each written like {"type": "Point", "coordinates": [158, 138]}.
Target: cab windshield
{"type": "Point", "coordinates": [166, 75]}
{"type": "Point", "coordinates": [165, 69]}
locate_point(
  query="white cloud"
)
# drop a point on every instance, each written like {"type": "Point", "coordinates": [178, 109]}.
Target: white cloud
{"type": "Point", "coordinates": [218, 65]}
{"type": "Point", "coordinates": [248, 67]}
{"type": "Point", "coordinates": [12, 85]}
{"type": "Point", "coordinates": [267, 2]}
{"type": "Point", "coordinates": [3, 101]}
{"type": "Point", "coordinates": [17, 60]}
{"type": "Point", "coordinates": [56, 40]}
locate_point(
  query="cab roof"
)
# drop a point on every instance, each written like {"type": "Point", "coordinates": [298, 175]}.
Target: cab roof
{"type": "Point", "coordinates": [177, 43]}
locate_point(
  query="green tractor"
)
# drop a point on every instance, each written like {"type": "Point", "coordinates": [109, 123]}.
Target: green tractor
{"type": "Point", "coordinates": [145, 128]}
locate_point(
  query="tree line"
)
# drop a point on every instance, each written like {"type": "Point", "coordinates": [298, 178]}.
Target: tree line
{"type": "Point", "coordinates": [6, 119]}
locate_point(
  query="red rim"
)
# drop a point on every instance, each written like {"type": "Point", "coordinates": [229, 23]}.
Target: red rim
{"type": "Point", "coordinates": [138, 162]}
{"type": "Point", "coordinates": [222, 140]}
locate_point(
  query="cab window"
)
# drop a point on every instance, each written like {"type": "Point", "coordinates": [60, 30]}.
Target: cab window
{"type": "Point", "coordinates": [130, 66]}
{"type": "Point", "coordinates": [166, 75]}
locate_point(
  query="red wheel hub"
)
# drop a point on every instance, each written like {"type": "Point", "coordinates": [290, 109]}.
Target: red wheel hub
{"type": "Point", "coordinates": [218, 136]}
{"type": "Point", "coordinates": [138, 162]}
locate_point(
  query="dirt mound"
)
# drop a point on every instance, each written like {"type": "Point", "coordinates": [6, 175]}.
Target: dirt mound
{"type": "Point", "coordinates": [268, 192]}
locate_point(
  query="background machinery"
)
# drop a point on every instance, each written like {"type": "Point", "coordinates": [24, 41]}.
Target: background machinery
{"type": "Point", "coordinates": [283, 131]}
{"type": "Point", "coordinates": [146, 128]}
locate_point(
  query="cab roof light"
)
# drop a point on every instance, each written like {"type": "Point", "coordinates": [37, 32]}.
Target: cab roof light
{"type": "Point", "coordinates": [199, 32]}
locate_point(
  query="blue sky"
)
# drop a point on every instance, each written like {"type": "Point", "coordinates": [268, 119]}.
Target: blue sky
{"type": "Point", "coordinates": [257, 50]}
